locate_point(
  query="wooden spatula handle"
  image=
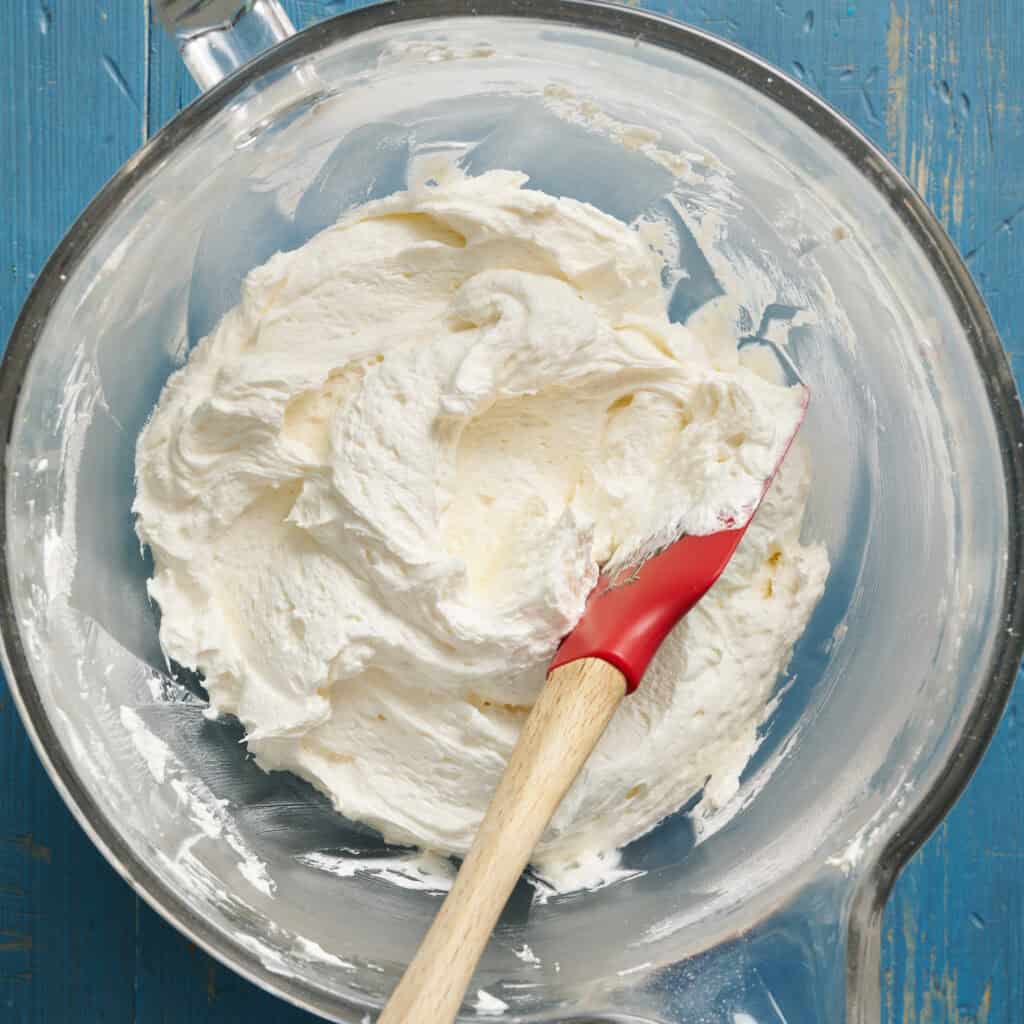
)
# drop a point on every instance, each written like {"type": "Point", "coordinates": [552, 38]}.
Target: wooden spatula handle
{"type": "Point", "coordinates": [571, 714]}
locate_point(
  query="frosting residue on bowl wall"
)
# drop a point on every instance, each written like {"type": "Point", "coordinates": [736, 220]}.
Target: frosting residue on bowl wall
{"type": "Point", "coordinates": [715, 325]}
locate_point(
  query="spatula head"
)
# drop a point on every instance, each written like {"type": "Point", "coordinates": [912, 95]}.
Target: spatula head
{"type": "Point", "coordinates": [630, 613]}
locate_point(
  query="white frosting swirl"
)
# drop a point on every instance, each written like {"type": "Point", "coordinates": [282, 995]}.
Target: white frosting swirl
{"type": "Point", "coordinates": [379, 492]}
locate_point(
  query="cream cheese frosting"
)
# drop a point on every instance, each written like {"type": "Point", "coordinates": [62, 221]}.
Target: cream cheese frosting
{"type": "Point", "coordinates": [378, 494]}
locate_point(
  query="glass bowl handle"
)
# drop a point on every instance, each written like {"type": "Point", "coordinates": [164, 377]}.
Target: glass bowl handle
{"type": "Point", "coordinates": [813, 961]}
{"type": "Point", "coordinates": [216, 37]}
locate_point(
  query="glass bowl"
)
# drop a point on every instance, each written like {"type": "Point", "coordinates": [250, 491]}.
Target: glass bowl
{"type": "Point", "coordinates": [767, 911]}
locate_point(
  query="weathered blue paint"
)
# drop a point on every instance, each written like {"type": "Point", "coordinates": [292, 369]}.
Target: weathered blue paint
{"type": "Point", "coordinates": [937, 83]}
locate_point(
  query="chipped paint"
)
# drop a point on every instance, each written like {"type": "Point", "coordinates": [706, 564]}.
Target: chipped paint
{"type": "Point", "coordinates": [941, 1003]}
{"type": "Point", "coordinates": [896, 98]}
{"type": "Point", "coordinates": [985, 1007]}
{"type": "Point", "coordinates": [14, 942]}
{"type": "Point", "coordinates": [952, 53]}
{"type": "Point", "coordinates": [28, 845]}
{"type": "Point", "coordinates": [909, 964]}
{"type": "Point", "coordinates": [958, 194]}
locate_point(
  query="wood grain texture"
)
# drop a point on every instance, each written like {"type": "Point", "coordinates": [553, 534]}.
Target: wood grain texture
{"type": "Point", "coordinates": [939, 84]}
{"type": "Point", "coordinates": [562, 729]}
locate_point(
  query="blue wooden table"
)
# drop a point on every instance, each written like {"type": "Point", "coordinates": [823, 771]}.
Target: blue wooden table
{"type": "Point", "coordinates": [938, 84]}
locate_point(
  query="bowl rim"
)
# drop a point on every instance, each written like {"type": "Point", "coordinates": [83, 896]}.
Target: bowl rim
{"type": "Point", "coordinates": [913, 212]}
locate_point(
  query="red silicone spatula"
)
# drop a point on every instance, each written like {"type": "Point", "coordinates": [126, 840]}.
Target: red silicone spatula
{"type": "Point", "coordinates": [601, 661]}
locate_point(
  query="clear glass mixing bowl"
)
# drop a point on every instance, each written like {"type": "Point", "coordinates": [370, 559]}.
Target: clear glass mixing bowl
{"type": "Point", "coordinates": [915, 432]}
